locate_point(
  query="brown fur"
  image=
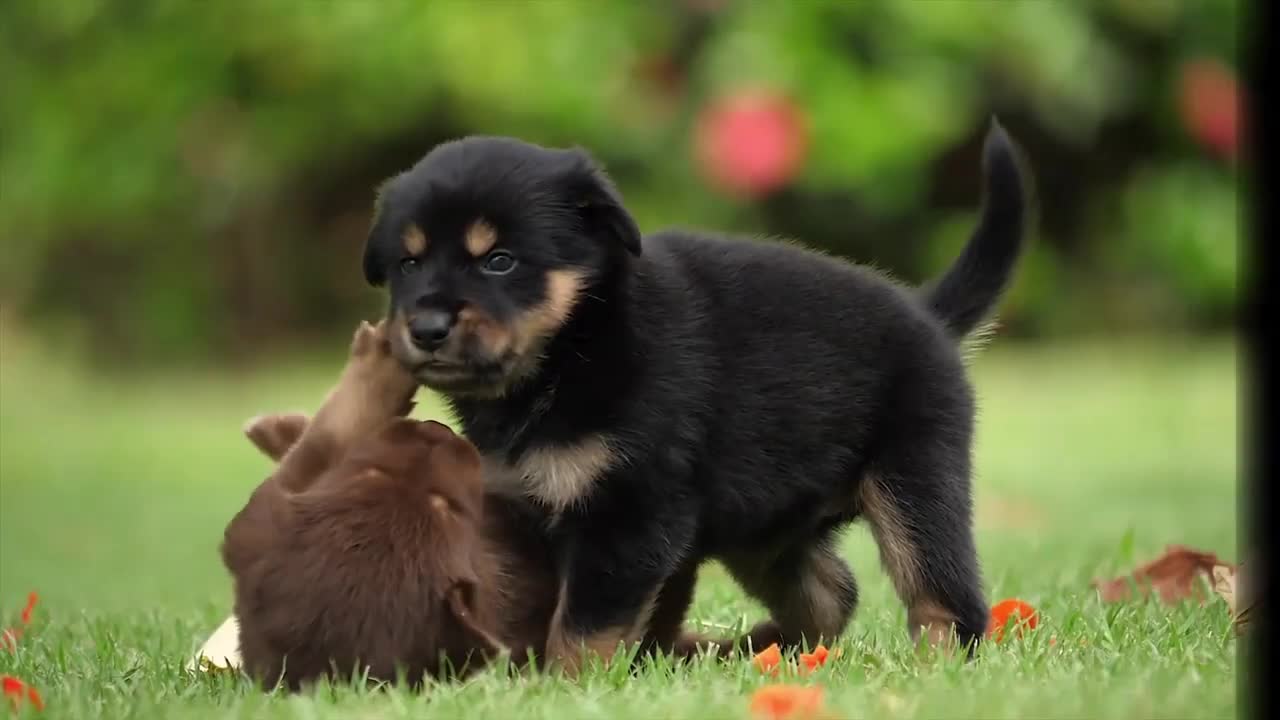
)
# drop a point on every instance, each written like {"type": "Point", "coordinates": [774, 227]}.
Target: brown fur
{"type": "Point", "coordinates": [373, 545]}
{"type": "Point", "coordinates": [526, 596]}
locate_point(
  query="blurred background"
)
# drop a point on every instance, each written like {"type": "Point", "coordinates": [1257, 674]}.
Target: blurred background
{"type": "Point", "coordinates": [185, 188]}
{"type": "Point", "coordinates": [190, 181]}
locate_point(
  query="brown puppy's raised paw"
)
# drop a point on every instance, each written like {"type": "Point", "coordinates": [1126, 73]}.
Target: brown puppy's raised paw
{"type": "Point", "coordinates": [374, 375]}
{"type": "Point", "coordinates": [366, 338]}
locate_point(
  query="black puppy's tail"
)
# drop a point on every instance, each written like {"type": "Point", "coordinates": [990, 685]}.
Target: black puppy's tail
{"type": "Point", "coordinates": [968, 291]}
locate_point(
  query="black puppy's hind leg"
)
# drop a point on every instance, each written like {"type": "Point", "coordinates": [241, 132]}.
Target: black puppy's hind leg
{"type": "Point", "coordinates": [918, 506]}
{"type": "Point", "coordinates": [807, 588]}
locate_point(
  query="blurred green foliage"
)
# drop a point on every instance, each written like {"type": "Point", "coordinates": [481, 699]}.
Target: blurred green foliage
{"type": "Point", "coordinates": [195, 178]}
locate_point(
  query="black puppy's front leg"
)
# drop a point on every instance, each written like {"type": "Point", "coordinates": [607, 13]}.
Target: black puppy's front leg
{"type": "Point", "coordinates": [611, 574]}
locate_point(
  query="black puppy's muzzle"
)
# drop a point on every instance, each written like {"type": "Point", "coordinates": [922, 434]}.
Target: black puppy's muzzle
{"type": "Point", "coordinates": [430, 329]}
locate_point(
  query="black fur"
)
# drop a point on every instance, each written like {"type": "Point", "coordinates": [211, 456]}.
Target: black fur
{"type": "Point", "coordinates": [760, 394]}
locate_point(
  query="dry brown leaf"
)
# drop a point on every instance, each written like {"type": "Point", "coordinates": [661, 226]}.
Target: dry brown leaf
{"type": "Point", "coordinates": [1180, 573]}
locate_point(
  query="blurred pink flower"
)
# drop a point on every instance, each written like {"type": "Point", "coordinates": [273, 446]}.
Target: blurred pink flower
{"type": "Point", "coordinates": [751, 142]}
{"type": "Point", "coordinates": [1209, 101]}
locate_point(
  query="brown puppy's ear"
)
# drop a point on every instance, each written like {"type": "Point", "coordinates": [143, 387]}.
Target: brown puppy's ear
{"type": "Point", "coordinates": [275, 434]}
{"type": "Point", "coordinates": [600, 203]}
{"type": "Point", "coordinates": [461, 605]}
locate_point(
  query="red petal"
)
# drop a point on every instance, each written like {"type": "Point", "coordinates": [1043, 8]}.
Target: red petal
{"type": "Point", "coordinates": [32, 599]}
{"type": "Point", "coordinates": [18, 691]}
{"type": "Point", "coordinates": [816, 659]}
{"type": "Point", "coordinates": [1027, 617]}
{"type": "Point", "coordinates": [779, 702]}
{"type": "Point", "coordinates": [767, 660]}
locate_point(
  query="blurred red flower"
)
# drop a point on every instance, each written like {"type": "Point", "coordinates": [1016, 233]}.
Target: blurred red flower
{"type": "Point", "coordinates": [1209, 101]}
{"type": "Point", "coordinates": [786, 702]}
{"type": "Point", "coordinates": [9, 636]}
{"type": "Point", "coordinates": [751, 142]}
{"type": "Point", "coordinates": [19, 692]}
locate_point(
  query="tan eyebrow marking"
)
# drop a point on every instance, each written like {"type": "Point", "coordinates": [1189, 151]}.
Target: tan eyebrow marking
{"type": "Point", "coordinates": [415, 240]}
{"type": "Point", "coordinates": [480, 238]}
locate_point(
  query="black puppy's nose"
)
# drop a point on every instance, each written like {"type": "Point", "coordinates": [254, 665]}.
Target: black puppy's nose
{"type": "Point", "coordinates": [430, 328]}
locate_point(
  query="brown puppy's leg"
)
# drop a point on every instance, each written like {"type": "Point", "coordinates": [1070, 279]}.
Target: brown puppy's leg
{"type": "Point", "coordinates": [372, 389]}
{"type": "Point", "coordinates": [808, 589]}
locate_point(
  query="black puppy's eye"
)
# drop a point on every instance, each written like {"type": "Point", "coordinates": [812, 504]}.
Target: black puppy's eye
{"type": "Point", "coordinates": [498, 262]}
{"type": "Point", "coordinates": [409, 265]}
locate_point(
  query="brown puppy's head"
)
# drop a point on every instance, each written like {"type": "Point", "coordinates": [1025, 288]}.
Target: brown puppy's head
{"type": "Point", "coordinates": [526, 596]}
{"type": "Point", "coordinates": [380, 565]}
{"type": "Point", "coordinates": [426, 460]}
{"type": "Point", "coordinates": [426, 481]}
{"type": "Point", "coordinates": [487, 246]}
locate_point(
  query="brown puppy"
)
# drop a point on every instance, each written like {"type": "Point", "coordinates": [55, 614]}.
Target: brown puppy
{"type": "Point", "coordinates": [370, 546]}
{"type": "Point", "coordinates": [526, 596]}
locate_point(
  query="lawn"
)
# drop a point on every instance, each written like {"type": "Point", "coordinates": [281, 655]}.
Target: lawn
{"type": "Point", "coordinates": [1091, 458]}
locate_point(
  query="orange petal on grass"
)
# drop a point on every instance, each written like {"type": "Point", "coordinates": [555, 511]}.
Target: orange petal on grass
{"type": "Point", "coordinates": [1006, 609]}
{"type": "Point", "coordinates": [786, 702]}
{"type": "Point", "coordinates": [814, 660]}
{"type": "Point", "coordinates": [9, 636]}
{"type": "Point", "coordinates": [32, 599]}
{"type": "Point", "coordinates": [769, 659]}
{"type": "Point", "coordinates": [19, 692]}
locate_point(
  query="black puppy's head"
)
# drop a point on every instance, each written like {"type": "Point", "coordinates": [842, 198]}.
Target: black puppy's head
{"type": "Point", "coordinates": [487, 245]}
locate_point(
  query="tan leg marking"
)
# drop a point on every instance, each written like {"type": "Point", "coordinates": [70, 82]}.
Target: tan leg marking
{"type": "Point", "coordinates": [570, 651]}
{"type": "Point", "coordinates": [805, 590]}
{"type": "Point", "coordinates": [819, 586]}
{"type": "Point", "coordinates": [900, 558]}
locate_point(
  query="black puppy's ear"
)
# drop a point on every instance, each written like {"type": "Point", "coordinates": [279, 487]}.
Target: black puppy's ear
{"type": "Point", "coordinates": [375, 264]}
{"type": "Point", "coordinates": [600, 203]}
{"type": "Point", "coordinates": [461, 605]}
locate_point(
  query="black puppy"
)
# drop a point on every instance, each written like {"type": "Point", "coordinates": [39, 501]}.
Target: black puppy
{"type": "Point", "coordinates": [685, 396]}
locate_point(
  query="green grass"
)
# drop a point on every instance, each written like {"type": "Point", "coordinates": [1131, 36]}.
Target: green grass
{"type": "Point", "coordinates": [113, 496]}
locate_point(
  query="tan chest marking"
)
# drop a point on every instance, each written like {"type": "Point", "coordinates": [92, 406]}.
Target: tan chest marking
{"type": "Point", "coordinates": [557, 477]}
